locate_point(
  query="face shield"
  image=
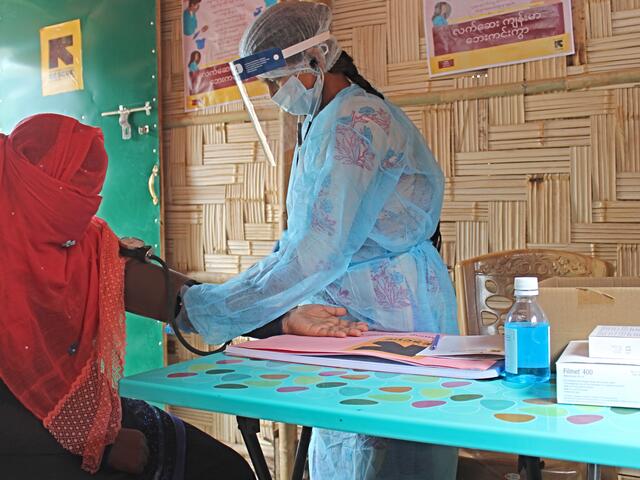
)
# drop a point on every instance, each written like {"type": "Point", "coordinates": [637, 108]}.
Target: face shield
{"type": "Point", "coordinates": [270, 63]}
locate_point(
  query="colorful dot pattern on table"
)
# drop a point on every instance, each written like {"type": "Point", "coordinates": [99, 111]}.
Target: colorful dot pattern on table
{"type": "Point", "coordinates": [483, 414]}
{"type": "Point", "coordinates": [480, 401]}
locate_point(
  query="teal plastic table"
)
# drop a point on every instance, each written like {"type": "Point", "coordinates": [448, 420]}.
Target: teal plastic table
{"type": "Point", "coordinates": [489, 415]}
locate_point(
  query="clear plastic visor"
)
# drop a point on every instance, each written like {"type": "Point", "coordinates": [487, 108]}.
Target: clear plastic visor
{"type": "Point", "coordinates": [262, 63]}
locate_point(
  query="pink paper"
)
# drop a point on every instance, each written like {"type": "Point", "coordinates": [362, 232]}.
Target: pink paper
{"type": "Point", "coordinates": [400, 347]}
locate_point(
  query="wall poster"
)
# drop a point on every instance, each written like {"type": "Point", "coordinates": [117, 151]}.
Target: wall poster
{"type": "Point", "coordinates": [211, 32]}
{"type": "Point", "coordinates": [61, 58]}
{"type": "Point", "coordinates": [464, 35]}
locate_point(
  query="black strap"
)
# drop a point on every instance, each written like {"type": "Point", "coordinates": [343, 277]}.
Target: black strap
{"type": "Point", "coordinates": [171, 308]}
{"type": "Point", "coordinates": [436, 239]}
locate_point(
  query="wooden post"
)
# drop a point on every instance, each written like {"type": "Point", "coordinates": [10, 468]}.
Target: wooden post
{"type": "Point", "coordinates": [577, 82]}
{"type": "Point", "coordinates": [579, 32]}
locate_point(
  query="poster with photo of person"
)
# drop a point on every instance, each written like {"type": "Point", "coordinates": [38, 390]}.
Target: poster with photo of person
{"type": "Point", "coordinates": [466, 35]}
{"type": "Point", "coordinates": [211, 33]}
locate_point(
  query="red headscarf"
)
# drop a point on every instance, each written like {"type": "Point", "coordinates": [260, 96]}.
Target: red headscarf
{"type": "Point", "coordinates": [61, 283]}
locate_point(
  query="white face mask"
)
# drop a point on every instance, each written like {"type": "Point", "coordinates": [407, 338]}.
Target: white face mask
{"type": "Point", "coordinates": [294, 98]}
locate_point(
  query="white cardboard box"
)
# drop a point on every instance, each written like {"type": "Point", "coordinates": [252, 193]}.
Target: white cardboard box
{"type": "Point", "coordinates": [607, 341]}
{"type": "Point", "coordinates": [596, 381]}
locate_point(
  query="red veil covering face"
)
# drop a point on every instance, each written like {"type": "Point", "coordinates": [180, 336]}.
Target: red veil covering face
{"type": "Point", "coordinates": [61, 283]}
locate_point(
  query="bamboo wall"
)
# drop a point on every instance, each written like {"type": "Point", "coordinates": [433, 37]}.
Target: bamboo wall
{"type": "Point", "coordinates": [556, 170]}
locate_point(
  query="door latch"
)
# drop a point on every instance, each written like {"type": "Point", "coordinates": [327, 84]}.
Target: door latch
{"type": "Point", "coordinates": [123, 117]}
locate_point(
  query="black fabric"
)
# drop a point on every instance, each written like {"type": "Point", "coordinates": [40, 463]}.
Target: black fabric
{"type": "Point", "coordinates": [269, 330]}
{"type": "Point", "coordinates": [182, 320]}
{"type": "Point", "coordinates": [436, 239]}
{"type": "Point", "coordinates": [29, 452]}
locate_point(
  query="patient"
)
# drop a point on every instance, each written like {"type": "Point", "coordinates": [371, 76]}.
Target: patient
{"type": "Point", "coordinates": [62, 332]}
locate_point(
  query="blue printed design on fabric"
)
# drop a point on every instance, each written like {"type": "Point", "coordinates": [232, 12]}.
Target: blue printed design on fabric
{"type": "Point", "coordinates": [390, 288]}
{"type": "Point", "coordinates": [391, 160]}
{"type": "Point", "coordinates": [352, 148]}
{"type": "Point", "coordinates": [322, 221]}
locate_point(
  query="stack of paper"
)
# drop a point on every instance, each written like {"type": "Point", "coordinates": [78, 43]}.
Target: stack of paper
{"type": "Point", "coordinates": [411, 353]}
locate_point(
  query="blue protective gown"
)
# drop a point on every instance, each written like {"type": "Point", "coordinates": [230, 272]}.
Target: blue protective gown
{"type": "Point", "coordinates": [364, 198]}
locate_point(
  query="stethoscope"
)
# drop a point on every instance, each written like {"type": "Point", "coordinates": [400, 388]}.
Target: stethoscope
{"type": "Point", "coordinates": [136, 249]}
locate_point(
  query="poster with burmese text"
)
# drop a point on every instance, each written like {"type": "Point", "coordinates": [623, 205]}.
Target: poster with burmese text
{"type": "Point", "coordinates": [211, 33]}
{"type": "Point", "coordinates": [466, 35]}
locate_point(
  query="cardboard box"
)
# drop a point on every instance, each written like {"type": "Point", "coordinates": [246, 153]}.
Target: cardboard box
{"type": "Point", "coordinates": [622, 342]}
{"type": "Point", "coordinates": [583, 380]}
{"type": "Point", "coordinates": [576, 305]}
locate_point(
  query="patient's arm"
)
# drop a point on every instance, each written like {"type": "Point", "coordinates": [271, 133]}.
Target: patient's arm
{"type": "Point", "coordinates": [145, 294]}
{"type": "Point", "coordinates": [145, 291]}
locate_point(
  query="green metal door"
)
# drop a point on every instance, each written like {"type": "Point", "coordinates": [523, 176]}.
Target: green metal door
{"type": "Point", "coordinates": [119, 67]}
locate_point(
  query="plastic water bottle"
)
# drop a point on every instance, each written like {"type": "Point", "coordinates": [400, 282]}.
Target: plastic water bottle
{"type": "Point", "coordinates": [526, 336]}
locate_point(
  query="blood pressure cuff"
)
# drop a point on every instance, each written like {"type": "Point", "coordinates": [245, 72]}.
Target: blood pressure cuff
{"type": "Point", "coordinates": [145, 295]}
{"type": "Point", "coordinates": [144, 289]}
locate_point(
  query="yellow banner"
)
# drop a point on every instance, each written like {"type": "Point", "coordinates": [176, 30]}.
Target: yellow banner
{"type": "Point", "coordinates": [466, 35]}
{"type": "Point", "coordinates": [61, 58]}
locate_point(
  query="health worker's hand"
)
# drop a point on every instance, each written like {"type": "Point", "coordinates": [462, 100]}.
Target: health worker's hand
{"type": "Point", "coordinates": [321, 321]}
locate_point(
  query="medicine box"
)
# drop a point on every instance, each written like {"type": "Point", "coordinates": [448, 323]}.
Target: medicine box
{"type": "Point", "coordinates": [584, 380]}
{"type": "Point", "coordinates": [608, 341]}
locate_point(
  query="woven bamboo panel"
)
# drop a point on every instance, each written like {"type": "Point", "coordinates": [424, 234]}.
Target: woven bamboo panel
{"type": "Point", "coordinates": [569, 105]}
{"type": "Point", "coordinates": [581, 190]}
{"type": "Point", "coordinates": [599, 19]}
{"type": "Point", "coordinates": [620, 5]}
{"type": "Point", "coordinates": [404, 18]}
{"type": "Point", "coordinates": [616, 52]}
{"type": "Point", "coordinates": [554, 170]}
{"type": "Point", "coordinates": [507, 226]}
{"type": "Point", "coordinates": [472, 239]}
{"type": "Point", "coordinates": [512, 162]}
{"type": "Point", "coordinates": [368, 42]}
{"type": "Point", "coordinates": [449, 255]}
{"type": "Point", "coordinates": [603, 157]}
{"type": "Point", "coordinates": [551, 133]}
{"type": "Point", "coordinates": [628, 260]}
{"type": "Point", "coordinates": [349, 14]}
{"type": "Point", "coordinates": [506, 110]}
{"type": "Point", "coordinates": [437, 129]}
{"type": "Point", "coordinates": [485, 188]}
{"type": "Point", "coordinates": [603, 233]}
{"type": "Point", "coordinates": [546, 68]}
{"type": "Point", "coordinates": [471, 118]}
{"type": "Point", "coordinates": [628, 186]}
{"type": "Point", "coordinates": [618, 212]}
{"type": "Point", "coordinates": [417, 116]}
{"type": "Point", "coordinates": [549, 207]}
{"type": "Point", "coordinates": [465, 211]}
{"type": "Point", "coordinates": [628, 108]}
{"type": "Point", "coordinates": [625, 21]}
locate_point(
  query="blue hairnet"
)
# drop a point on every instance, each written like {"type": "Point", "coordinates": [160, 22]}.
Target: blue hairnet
{"type": "Point", "coordinates": [287, 24]}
